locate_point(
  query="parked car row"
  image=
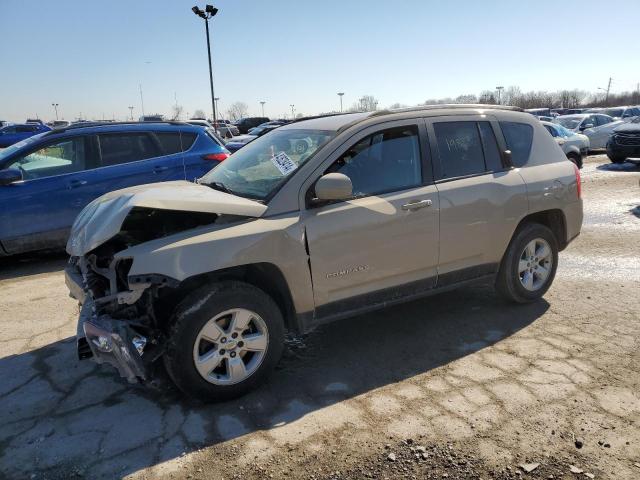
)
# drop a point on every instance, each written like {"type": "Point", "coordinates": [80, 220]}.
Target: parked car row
{"type": "Point", "coordinates": [46, 179]}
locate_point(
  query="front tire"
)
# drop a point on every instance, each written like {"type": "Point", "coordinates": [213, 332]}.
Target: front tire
{"type": "Point", "coordinates": [615, 159]}
{"type": "Point", "coordinates": [224, 340]}
{"type": "Point", "coordinates": [529, 264]}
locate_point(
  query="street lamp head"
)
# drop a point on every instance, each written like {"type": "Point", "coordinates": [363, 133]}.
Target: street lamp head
{"type": "Point", "coordinates": [195, 10]}
{"type": "Point", "coordinates": [211, 10]}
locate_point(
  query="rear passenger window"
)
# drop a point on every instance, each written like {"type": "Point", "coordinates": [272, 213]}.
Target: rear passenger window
{"type": "Point", "coordinates": [124, 148]}
{"type": "Point", "coordinates": [460, 148]}
{"type": "Point", "coordinates": [519, 137]}
{"type": "Point", "coordinates": [175, 142]}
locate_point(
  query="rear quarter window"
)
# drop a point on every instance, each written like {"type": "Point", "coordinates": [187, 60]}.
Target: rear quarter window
{"type": "Point", "coordinates": [519, 137]}
{"type": "Point", "coordinates": [175, 142]}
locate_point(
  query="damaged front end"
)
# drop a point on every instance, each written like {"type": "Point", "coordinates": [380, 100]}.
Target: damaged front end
{"type": "Point", "coordinates": [118, 323]}
{"type": "Point", "coordinates": [124, 317]}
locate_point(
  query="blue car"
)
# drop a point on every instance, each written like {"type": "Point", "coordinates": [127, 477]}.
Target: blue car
{"type": "Point", "coordinates": [47, 179]}
{"type": "Point", "coordinates": [15, 133]}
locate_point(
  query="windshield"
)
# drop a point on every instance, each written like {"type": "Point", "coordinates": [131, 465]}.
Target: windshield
{"type": "Point", "coordinates": [569, 122]}
{"type": "Point", "coordinates": [564, 132]}
{"type": "Point", "coordinates": [613, 112]}
{"type": "Point", "coordinates": [5, 153]}
{"type": "Point", "coordinates": [260, 168]}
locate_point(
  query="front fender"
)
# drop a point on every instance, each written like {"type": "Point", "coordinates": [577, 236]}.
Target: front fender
{"type": "Point", "coordinates": [278, 240]}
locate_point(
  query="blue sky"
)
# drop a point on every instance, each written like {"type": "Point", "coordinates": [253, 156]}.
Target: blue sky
{"type": "Point", "coordinates": [90, 56]}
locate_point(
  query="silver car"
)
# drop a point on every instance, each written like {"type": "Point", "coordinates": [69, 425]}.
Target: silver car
{"type": "Point", "coordinates": [574, 145]}
{"type": "Point", "coordinates": [596, 126]}
{"type": "Point", "coordinates": [382, 207]}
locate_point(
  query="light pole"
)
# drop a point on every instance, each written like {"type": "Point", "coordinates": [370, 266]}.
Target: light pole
{"type": "Point", "coordinates": [499, 89]}
{"type": "Point", "coordinates": [55, 106]}
{"type": "Point", "coordinates": [262, 105]}
{"type": "Point", "coordinates": [131, 112]}
{"type": "Point", "coordinates": [340, 94]}
{"type": "Point", "coordinates": [292, 110]}
{"type": "Point", "coordinates": [210, 12]}
{"type": "Point", "coordinates": [141, 101]}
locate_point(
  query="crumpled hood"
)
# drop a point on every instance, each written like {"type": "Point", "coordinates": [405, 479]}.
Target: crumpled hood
{"type": "Point", "coordinates": [103, 218]}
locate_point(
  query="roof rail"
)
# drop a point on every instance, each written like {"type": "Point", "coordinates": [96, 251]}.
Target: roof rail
{"type": "Point", "coordinates": [104, 124]}
{"type": "Point", "coordinates": [460, 106]}
{"type": "Point", "coordinates": [313, 117]}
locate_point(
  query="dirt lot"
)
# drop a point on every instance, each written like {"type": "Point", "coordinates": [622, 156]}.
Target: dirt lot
{"type": "Point", "coordinates": [455, 386]}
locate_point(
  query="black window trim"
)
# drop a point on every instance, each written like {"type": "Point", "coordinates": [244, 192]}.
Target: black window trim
{"type": "Point", "coordinates": [425, 159]}
{"type": "Point", "coordinates": [435, 154]}
{"type": "Point", "coordinates": [156, 141]}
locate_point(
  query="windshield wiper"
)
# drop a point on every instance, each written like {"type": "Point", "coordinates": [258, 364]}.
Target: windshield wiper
{"type": "Point", "coordinates": [219, 186]}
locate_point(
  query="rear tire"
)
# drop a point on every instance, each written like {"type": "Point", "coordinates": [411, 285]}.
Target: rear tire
{"type": "Point", "coordinates": [224, 340]}
{"type": "Point", "coordinates": [528, 269]}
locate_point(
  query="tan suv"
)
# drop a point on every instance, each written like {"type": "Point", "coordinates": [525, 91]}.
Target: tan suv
{"type": "Point", "coordinates": [204, 278]}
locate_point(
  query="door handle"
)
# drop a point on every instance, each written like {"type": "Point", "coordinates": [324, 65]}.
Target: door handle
{"type": "Point", "coordinates": [159, 169]}
{"type": "Point", "coordinates": [76, 183]}
{"type": "Point", "coordinates": [416, 205]}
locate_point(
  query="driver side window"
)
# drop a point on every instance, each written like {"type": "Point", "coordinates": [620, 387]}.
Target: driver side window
{"type": "Point", "coordinates": [66, 156]}
{"type": "Point", "coordinates": [385, 161]}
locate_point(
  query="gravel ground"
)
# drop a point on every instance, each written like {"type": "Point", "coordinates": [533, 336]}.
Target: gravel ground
{"type": "Point", "coordinates": [454, 386]}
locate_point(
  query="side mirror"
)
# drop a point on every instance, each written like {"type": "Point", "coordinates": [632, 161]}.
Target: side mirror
{"type": "Point", "coordinates": [334, 186]}
{"type": "Point", "coordinates": [9, 176]}
{"type": "Point", "coordinates": [584, 127]}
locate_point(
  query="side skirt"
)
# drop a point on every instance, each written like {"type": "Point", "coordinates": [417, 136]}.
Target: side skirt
{"type": "Point", "coordinates": [484, 274]}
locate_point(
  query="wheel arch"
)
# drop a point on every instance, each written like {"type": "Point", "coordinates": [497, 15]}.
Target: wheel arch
{"type": "Point", "coordinates": [265, 276]}
{"type": "Point", "coordinates": [554, 219]}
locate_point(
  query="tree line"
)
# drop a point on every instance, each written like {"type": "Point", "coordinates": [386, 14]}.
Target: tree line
{"type": "Point", "coordinates": [543, 99]}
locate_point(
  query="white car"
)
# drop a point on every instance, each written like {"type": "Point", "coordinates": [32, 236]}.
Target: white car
{"type": "Point", "coordinates": [596, 126]}
{"type": "Point", "coordinates": [574, 145]}
{"type": "Point", "coordinates": [617, 113]}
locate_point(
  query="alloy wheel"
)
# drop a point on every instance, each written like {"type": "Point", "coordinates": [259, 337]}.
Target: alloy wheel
{"type": "Point", "coordinates": [231, 346]}
{"type": "Point", "coordinates": [534, 266]}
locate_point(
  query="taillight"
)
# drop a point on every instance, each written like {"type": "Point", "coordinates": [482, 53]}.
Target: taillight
{"type": "Point", "coordinates": [217, 157]}
{"type": "Point", "coordinates": [578, 181]}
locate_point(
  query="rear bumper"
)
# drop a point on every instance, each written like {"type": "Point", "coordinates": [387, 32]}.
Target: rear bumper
{"type": "Point", "coordinates": [573, 214]}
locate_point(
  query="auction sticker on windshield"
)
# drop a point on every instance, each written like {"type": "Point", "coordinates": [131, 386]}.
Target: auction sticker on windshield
{"type": "Point", "coordinates": [283, 163]}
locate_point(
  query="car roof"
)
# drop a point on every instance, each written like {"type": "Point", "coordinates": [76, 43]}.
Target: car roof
{"type": "Point", "coordinates": [126, 127]}
{"type": "Point", "coordinates": [576, 115]}
{"type": "Point", "coordinates": [342, 121]}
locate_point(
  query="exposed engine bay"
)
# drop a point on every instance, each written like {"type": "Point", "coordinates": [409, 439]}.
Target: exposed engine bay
{"type": "Point", "coordinates": [123, 317]}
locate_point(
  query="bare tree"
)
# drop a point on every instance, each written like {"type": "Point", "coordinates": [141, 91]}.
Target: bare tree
{"type": "Point", "coordinates": [397, 105]}
{"type": "Point", "coordinates": [469, 98]}
{"type": "Point", "coordinates": [487, 97]}
{"type": "Point", "coordinates": [199, 113]}
{"type": "Point", "coordinates": [511, 95]}
{"type": "Point", "coordinates": [367, 103]}
{"type": "Point", "coordinates": [176, 112]}
{"type": "Point", "coordinates": [237, 110]}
